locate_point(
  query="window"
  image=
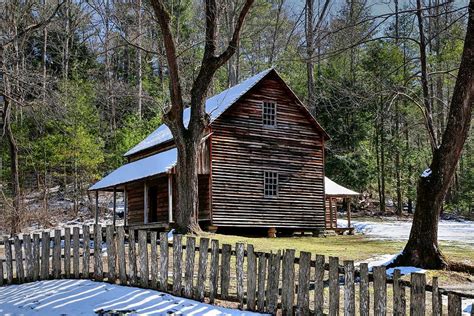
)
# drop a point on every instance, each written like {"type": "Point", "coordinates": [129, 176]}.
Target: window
{"type": "Point", "coordinates": [270, 183]}
{"type": "Point", "coordinates": [269, 114]}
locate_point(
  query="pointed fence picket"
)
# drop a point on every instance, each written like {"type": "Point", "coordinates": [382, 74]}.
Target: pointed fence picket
{"type": "Point", "coordinates": [284, 282]}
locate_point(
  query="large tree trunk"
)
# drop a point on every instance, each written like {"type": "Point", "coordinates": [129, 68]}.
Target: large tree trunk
{"type": "Point", "coordinates": [422, 248]}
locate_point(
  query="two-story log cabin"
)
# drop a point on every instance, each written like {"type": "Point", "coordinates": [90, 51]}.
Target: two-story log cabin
{"type": "Point", "coordinates": [261, 164]}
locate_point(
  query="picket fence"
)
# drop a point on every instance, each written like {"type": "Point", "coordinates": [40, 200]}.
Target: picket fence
{"type": "Point", "coordinates": [275, 283]}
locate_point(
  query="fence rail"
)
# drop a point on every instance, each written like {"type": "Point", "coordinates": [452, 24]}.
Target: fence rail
{"type": "Point", "coordinates": [279, 282]}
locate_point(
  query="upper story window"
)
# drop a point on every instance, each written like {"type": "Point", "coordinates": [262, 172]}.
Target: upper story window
{"type": "Point", "coordinates": [269, 113]}
{"type": "Point", "coordinates": [270, 183]}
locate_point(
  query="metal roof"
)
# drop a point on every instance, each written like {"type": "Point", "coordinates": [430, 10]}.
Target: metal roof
{"type": "Point", "coordinates": [334, 189]}
{"type": "Point", "coordinates": [140, 169]}
{"type": "Point", "coordinates": [215, 106]}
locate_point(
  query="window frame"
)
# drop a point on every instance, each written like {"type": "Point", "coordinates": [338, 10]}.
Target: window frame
{"type": "Point", "coordinates": [271, 175]}
{"type": "Point", "coordinates": [275, 120]}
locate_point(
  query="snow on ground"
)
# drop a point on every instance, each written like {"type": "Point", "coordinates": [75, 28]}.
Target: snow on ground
{"type": "Point", "coordinates": [84, 297]}
{"type": "Point", "coordinates": [384, 260]}
{"type": "Point", "coordinates": [449, 231]}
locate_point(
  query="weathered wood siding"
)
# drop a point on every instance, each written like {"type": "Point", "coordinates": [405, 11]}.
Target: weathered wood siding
{"type": "Point", "coordinates": [135, 202]}
{"type": "Point", "coordinates": [242, 149]}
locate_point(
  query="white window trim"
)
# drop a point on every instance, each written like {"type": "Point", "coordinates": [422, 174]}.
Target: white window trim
{"type": "Point", "coordinates": [276, 114]}
{"type": "Point", "coordinates": [277, 184]}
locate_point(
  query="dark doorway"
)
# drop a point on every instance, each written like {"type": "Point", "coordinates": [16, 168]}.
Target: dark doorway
{"type": "Point", "coordinates": [152, 204]}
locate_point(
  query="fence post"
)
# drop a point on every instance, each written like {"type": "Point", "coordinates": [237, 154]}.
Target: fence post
{"type": "Point", "coordinates": [122, 262]}
{"type": "Point", "coordinates": [189, 266]}
{"type": "Point", "coordinates": [302, 300]}
{"type": "Point", "coordinates": [225, 270]}
{"type": "Point", "coordinates": [20, 272]}
{"type": "Point", "coordinates": [251, 277]}
{"type": "Point", "coordinates": [45, 248]}
{"type": "Point", "coordinates": [67, 252]}
{"type": "Point", "coordinates": [262, 268]}
{"type": "Point", "coordinates": [202, 269]}
{"type": "Point", "coordinates": [98, 266]}
{"type": "Point", "coordinates": [454, 305]}
{"type": "Point", "coordinates": [436, 298]}
{"type": "Point", "coordinates": [75, 252]}
{"type": "Point", "coordinates": [8, 259]}
{"type": "Point", "coordinates": [132, 257]}
{"type": "Point", "coordinates": [177, 266]}
{"type": "Point", "coordinates": [143, 256]}
{"type": "Point", "coordinates": [399, 307]}
{"type": "Point", "coordinates": [364, 302]}
{"type": "Point", "coordinates": [154, 260]}
{"type": "Point", "coordinates": [1, 272]}
{"type": "Point", "coordinates": [288, 282]}
{"type": "Point", "coordinates": [111, 253]}
{"type": "Point", "coordinates": [164, 254]}
{"type": "Point", "coordinates": [349, 288]}
{"type": "Point", "coordinates": [28, 257]}
{"type": "Point", "coordinates": [333, 286]}
{"type": "Point", "coordinates": [86, 253]}
{"type": "Point", "coordinates": [319, 286]}
{"type": "Point", "coordinates": [380, 291]}
{"type": "Point", "coordinates": [214, 273]}
{"type": "Point", "coordinates": [239, 254]}
{"type": "Point", "coordinates": [36, 257]}
{"type": "Point", "coordinates": [273, 282]}
{"type": "Point", "coordinates": [418, 294]}
{"type": "Point", "coordinates": [57, 254]}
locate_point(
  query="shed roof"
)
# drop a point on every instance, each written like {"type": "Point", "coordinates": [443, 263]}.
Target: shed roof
{"type": "Point", "coordinates": [140, 169]}
{"type": "Point", "coordinates": [215, 106]}
{"type": "Point", "coordinates": [333, 189]}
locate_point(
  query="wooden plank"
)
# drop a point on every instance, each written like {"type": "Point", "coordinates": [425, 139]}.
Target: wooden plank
{"type": "Point", "coordinates": [75, 252]}
{"type": "Point", "coordinates": [132, 257]}
{"type": "Point", "coordinates": [67, 252]}
{"type": "Point", "coordinates": [86, 252]}
{"type": "Point", "coordinates": [214, 273]}
{"type": "Point", "coordinates": [364, 290]}
{"type": "Point", "coordinates": [20, 272]}
{"type": "Point", "coordinates": [45, 249]}
{"type": "Point", "coordinates": [333, 286]}
{"type": "Point", "coordinates": [454, 305]}
{"type": "Point", "coordinates": [302, 300]}
{"type": "Point", "coordinates": [121, 257]}
{"type": "Point", "coordinates": [143, 256]}
{"type": "Point", "coordinates": [436, 303]}
{"type": "Point", "coordinates": [27, 249]}
{"type": "Point", "coordinates": [36, 256]}
{"type": "Point", "coordinates": [164, 261]}
{"type": "Point", "coordinates": [239, 256]}
{"type": "Point", "coordinates": [262, 269]}
{"type": "Point", "coordinates": [98, 265]}
{"type": "Point", "coordinates": [1, 273]}
{"type": "Point", "coordinates": [177, 264]}
{"type": "Point", "coordinates": [418, 294]}
{"type": "Point", "coordinates": [57, 254]}
{"type": "Point", "coordinates": [380, 291]}
{"type": "Point", "coordinates": [154, 260]}
{"type": "Point", "coordinates": [399, 307]}
{"type": "Point", "coordinates": [202, 269]}
{"type": "Point", "coordinates": [275, 282]}
{"type": "Point", "coordinates": [319, 286]}
{"type": "Point", "coordinates": [8, 259]}
{"type": "Point", "coordinates": [251, 278]}
{"type": "Point", "coordinates": [189, 266]}
{"type": "Point", "coordinates": [225, 270]}
{"type": "Point", "coordinates": [349, 288]}
{"type": "Point", "coordinates": [111, 253]}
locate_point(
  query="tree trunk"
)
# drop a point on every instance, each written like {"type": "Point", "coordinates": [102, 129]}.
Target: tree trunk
{"type": "Point", "coordinates": [310, 53]}
{"type": "Point", "coordinates": [422, 248]}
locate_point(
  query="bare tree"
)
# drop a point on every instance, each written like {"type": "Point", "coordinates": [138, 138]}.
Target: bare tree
{"type": "Point", "coordinates": [188, 139]}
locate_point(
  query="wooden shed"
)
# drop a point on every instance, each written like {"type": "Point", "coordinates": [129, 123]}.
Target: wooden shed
{"type": "Point", "coordinates": [337, 193]}
{"type": "Point", "coordinates": [261, 164]}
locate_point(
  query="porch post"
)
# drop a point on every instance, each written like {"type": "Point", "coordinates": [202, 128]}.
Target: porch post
{"type": "Point", "coordinates": [115, 203]}
{"type": "Point", "coordinates": [330, 212]}
{"type": "Point", "coordinates": [145, 203]}
{"type": "Point", "coordinates": [125, 207]}
{"type": "Point", "coordinates": [349, 212]}
{"type": "Point", "coordinates": [96, 207]}
{"type": "Point", "coordinates": [170, 197]}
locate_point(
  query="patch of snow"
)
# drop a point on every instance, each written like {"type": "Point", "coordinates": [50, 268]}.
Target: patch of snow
{"type": "Point", "coordinates": [449, 231]}
{"type": "Point", "coordinates": [426, 173]}
{"type": "Point", "coordinates": [385, 260]}
{"type": "Point", "coordinates": [84, 297]}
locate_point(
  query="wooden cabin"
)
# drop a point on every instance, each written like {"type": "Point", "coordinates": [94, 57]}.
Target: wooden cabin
{"type": "Point", "coordinates": [261, 164]}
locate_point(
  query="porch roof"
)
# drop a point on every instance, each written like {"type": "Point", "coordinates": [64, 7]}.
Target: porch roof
{"type": "Point", "coordinates": [331, 188]}
{"type": "Point", "coordinates": [136, 170]}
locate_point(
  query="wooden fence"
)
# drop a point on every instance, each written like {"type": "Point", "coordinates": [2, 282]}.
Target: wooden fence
{"type": "Point", "coordinates": [276, 283]}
